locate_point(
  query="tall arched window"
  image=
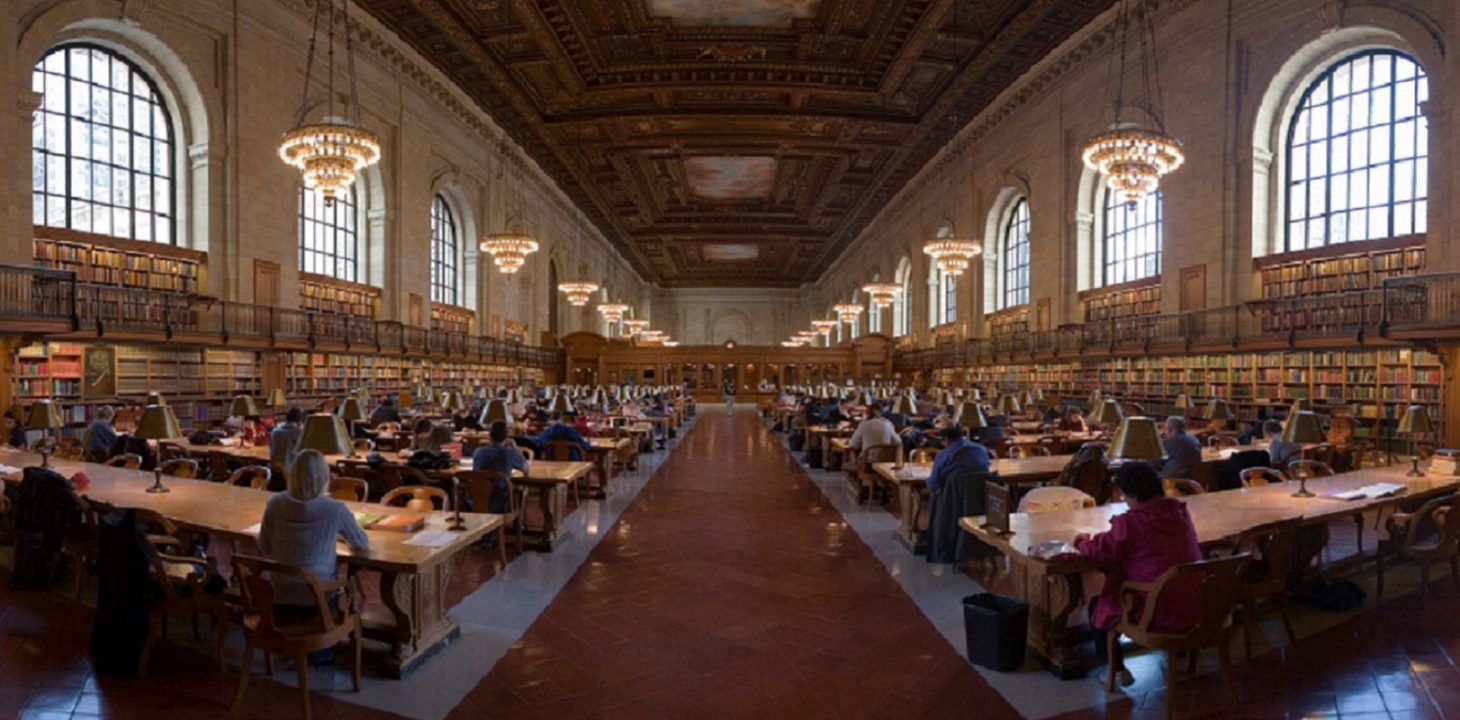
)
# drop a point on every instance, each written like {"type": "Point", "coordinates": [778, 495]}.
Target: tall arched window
{"type": "Point", "coordinates": [947, 297]}
{"type": "Point", "coordinates": [902, 304]}
{"type": "Point", "coordinates": [101, 147]}
{"type": "Point", "coordinates": [329, 243]}
{"type": "Point", "coordinates": [444, 253]}
{"type": "Point", "coordinates": [1015, 257]}
{"type": "Point", "coordinates": [1130, 238]}
{"type": "Point", "coordinates": [1357, 153]}
{"type": "Point", "coordinates": [874, 313]}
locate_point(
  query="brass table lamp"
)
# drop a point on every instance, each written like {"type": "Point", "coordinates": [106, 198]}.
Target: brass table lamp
{"type": "Point", "coordinates": [327, 434]}
{"type": "Point", "coordinates": [157, 423]}
{"type": "Point", "coordinates": [1137, 439]}
{"type": "Point", "coordinates": [1416, 422]}
{"type": "Point", "coordinates": [44, 416]}
{"type": "Point", "coordinates": [1303, 428]}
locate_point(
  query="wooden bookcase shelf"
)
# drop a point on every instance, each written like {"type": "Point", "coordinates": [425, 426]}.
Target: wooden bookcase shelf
{"type": "Point", "coordinates": [1339, 268]}
{"type": "Point", "coordinates": [320, 293]}
{"type": "Point", "coordinates": [452, 318]}
{"type": "Point", "coordinates": [1373, 386]}
{"type": "Point", "coordinates": [119, 262]}
{"type": "Point", "coordinates": [312, 378]}
{"type": "Point", "coordinates": [1014, 321]}
{"type": "Point", "coordinates": [1142, 297]}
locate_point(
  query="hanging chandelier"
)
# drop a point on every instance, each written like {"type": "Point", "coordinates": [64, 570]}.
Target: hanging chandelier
{"type": "Point", "coordinates": [651, 335]}
{"type": "Point", "coordinates": [509, 250]}
{"type": "Point", "coordinates": [848, 312]}
{"type": "Point", "coordinates": [791, 343]}
{"type": "Point", "coordinates": [1133, 158]}
{"type": "Point", "coordinates": [883, 294]}
{"type": "Point", "coordinates": [636, 327]}
{"type": "Point", "coordinates": [579, 293]}
{"type": "Point", "coordinates": [824, 326]}
{"type": "Point", "coordinates": [670, 343]}
{"type": "Point", "coordinates": [613, 312]}
{"type": "Point", "coordinates": [952, 254]}
{"type": "Point", "coordinates": [331, 153]}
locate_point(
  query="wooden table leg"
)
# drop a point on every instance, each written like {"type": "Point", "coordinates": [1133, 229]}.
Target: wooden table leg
{"type": "Point", "coordinates": [910, 501]}
{"type": "Point", "coordinates": [417, 605]}
{"type": "Point", "coordinates": [1052, 598]}
{"type": "Point", "coordinates": [553, 500]}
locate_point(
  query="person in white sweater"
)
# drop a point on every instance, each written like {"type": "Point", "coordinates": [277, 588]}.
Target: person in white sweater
{"type": "Point", "coordinates": [301, 525]}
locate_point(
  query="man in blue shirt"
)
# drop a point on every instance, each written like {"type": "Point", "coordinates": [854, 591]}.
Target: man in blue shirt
{"type": "Point", "coordinates": [960, 455]}
{"type": "Point", "coordinates": [284, 441]}
{"type": "Point", "coordinates": [559, 430]}
{"type": "Point", "coordinates": [501, 456]}
{"type": "Point", "coordinates": [1183, 452]}
{"type": "Point", "coordinates": [99, 436]}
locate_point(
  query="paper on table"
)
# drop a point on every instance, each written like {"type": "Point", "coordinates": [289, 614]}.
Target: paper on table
{"type": "Point", "coordinates": [431, 538]}
{"type": "Point", "coordinates": [8, 469]}
{"type": "Point", "coordinates": [254, 529]}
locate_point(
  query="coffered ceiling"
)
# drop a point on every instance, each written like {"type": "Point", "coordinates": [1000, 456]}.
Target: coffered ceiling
{"type": "Point", "coordinates": [733, 142]}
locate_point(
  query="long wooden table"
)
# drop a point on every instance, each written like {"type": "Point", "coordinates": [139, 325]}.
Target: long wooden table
{"type": "Point", "coordinates": [413, 578]}
{"type": "Point", "coordinates": [1055, 590]}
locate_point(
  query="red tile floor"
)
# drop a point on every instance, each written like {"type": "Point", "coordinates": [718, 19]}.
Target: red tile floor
{"type": "Point", "coordinates": [730, 588]}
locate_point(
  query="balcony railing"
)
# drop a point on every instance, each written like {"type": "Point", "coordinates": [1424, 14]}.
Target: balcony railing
{"type": "Point", "coordinates": [56, 301]}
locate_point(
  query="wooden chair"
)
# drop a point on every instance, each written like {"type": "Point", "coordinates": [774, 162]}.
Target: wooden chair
{"type": "Point", "coordinates": [1259, 476]}
{"type": "Point", "coordinates": [220, 466]}
{"type": "Point", "coordinates": [923, 456]}
{"type": "Point", "coordinates": [867, 477]}
{"type": "Point", "coordinates": [349, 489]}
{"type": "Point", "coordinates": [1028, 451]}
{"type": "Point", "coordinates": [1309, 469]}
{"type": "Point", "coordinates": [1054, 498]}
{"type": "Point", "coordinates": [186, 584]}
{"type": "Point", "coordinates": [1273, 548]}
{"type": "Point", "coordinates": [1088, 473]}
{"type": "Point", "coordinates": [479, 486]}
{"type": "Point", "coordinates": [68, 448]}
{"type": "Point", "coordinates": [80, 542]}
{"type": "Point", "coordinates": [1222, 441]}
{"type": "Point", "coordinates": [253, 476]}
{"type": "Point", "coordinates": [562, 451]}
{"type": "Point", "coordinates": [1182, 487]}
{"type": "Point", "coordinates": [186, 468]}
{"type": "Point", "coordinates": [169, 451]}
{"type": "Point", "coordinates": [1430, 534]}
{"type": "Point", "coordinates": [1220, 587]}
{"type": "Point", "coordinates": [364, 446]}
{"type": "Point", "coordinates": [418, 498]}
{"type": "Point", "coordinates": [129, 461]}
{"type": "Point", "coordinates": [266, 631]}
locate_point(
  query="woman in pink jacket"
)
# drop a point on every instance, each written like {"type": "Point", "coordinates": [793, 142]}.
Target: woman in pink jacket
{"type": "Point", "coordinates": [1153, 536]}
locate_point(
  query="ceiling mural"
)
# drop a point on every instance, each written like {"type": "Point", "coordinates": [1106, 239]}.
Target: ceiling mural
{"type": "Point", "coordinates": [780, 125]}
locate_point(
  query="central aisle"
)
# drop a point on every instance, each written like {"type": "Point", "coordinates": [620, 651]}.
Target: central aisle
{"type": "Point", "coordinates": [731, 588]}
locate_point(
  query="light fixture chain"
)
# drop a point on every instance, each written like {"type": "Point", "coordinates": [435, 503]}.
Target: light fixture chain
{"type": "Point", "coordinates": [330, 99]}
{"type": "Point", "coordinates": [350, 65]}
{"type": "Point", "coordinates": [309, 66]}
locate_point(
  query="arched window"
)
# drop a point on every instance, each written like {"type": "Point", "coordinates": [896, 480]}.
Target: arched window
{"type": "Point", "coordinates": [445, 251]}
{"type": "Point", "coordinates": [1015, 259]}
{"type": "Point", "coordinates": [1357, 153]}
{"type": "Point", "coordinates": [102, 147]}
{"type": "Point", "coordinates": [329, 243]}
{"type": "Point", "coordinates": [1130, 238]}
{"type": "Point", "coordinates": [874, 313]}
{"type": "Point", "coordinates": [902, 304]}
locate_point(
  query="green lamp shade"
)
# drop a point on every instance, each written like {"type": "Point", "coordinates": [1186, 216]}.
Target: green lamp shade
{"type": "Point", "coordinates": [1303, 427]}
{"type": "Point", "coordinates": [243, 406]}
{"type": "Point", "coordinates": [1137, 439]}
{"type": "Point", "coordinates": [1009, 405]}
{"type": "Point", "coordinates": [1218, 410]}
{"type": "Point", "coordinates": [325, 433]}
{"type": "Point", "coordinates": [1183, 402]}
{"type": "Point", "coordinates": [904, 406]}
{"type": "Point", "coordinates": [561, 404]}
{"type": "Point", "coordinates": [352, 410]}
{"type": "Point", "coordinates": [277, 399]}
{"type": "Point", "coordinates": [970, 416]}
{"type": "Point", "coordinates": [157, 423]}
{"type": "Point", "coordinates": [1110, 413]}
{"type": "Point", "coordinates": [452, 401]}
{"type": "Point", "coordinates": [155, 398]}
{"type": "Point", "coordinates": [494, 411]}
{"type": "Point", "coordinates": [1416, 421]}
{"type": "Point", "coordinates": [43, 415]}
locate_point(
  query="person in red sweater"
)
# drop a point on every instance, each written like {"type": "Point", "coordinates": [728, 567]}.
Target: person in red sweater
{"type": "Point", "coordinates": [1153, 536]}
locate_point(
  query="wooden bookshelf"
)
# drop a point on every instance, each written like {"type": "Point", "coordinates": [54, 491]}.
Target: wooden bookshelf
{"type": "Point", "coordinates": [1339, 268]}
{"type": "Point", "coordinates": [1372, 385]}
{"type": "Point", "coordinates": [1142, 297]}
{"type": "Point", "coordinates": [120, 262]}
{"type": "Point", "coordinates": [1014, 321]}
{"type": "Point", "coordinates": [321, 293]}
{"type": "Point", "coordinates": [452, 318]}
{"type": "Point", "coordinates": [312, 378]}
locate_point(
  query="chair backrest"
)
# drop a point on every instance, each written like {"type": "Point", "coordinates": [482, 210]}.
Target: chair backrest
{"type": "Point", "coordinates": [1054, 499]}
{"type": "Point", "coordinates": [253, 476]}
{"type": "Point", "coordinates": [256, 577]}
{"type": "Point", "coordinates": [1273, 547]}
{"type": "Point", "coordinates": [478, 486]}
{"type": "Point", "coordinates": [350, 489]}
{"type": "Point", "coordinates": [418, 498]}
{"type": "Point", "coordinates": [1322, 452]}
{"type": "Point", "coordinates": [387, 428]}
{"type": "Point", "coordinates": [130, 461]}
{"type": "Point", "coordinates": [877, 454]}
{"type": "Point", "coordinates": [923, 456]}
{"type": "Point", "coordinates": [559, 450]}
{"type": "Point", "coordinates": [528, 454]}
{"type": "Point", "coordinates": [1259, 476]}
{"type": "Point", "coordinates": [1220, 586]}
{"type": "Point", "coordinates": [364, 445]}
{"type": "Point", "coordinates": [1181, 487]}
{"type": "Point", "coordinates": [68, 448]}
{"type": "Point", "coordinates": [169, 450]}
{"type": "Point", "coordinates": [1222, 441]}
{"type": "Point", "coordinates": [1028, 451]}
{"type": "Point", "coordinates": [179, 468]}
{"type": "Point", "coordinates": [1309, 469]}
{"type": "Point", "coordinates": [219, 466]}
{"type": "Point", "coordinates": [1088, 473]}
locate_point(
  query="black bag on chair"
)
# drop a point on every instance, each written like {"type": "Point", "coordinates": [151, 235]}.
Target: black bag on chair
{"type": "Point", "coordinates": [961, 497]}
{"type": "Point", "coordinates": [813, 458]}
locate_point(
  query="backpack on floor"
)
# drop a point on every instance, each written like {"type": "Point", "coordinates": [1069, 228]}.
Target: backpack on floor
{"type": "Point", "coordinates": [797, 442]}
{"type": "Point", "coordinates": [813, 458]}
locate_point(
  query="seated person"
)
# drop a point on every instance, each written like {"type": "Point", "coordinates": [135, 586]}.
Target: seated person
{"type": "Point", "coordinates": [875, 430]}
{"type": "Point", "coordinates": [992, 430]}
{"type": "Point", "coordinates": [1183, 452]}
{"type": "Point", "coordinates": [421, 434]}
{"type": "Point", "coordinates": [958, 456]}
{"type": "Point", "coordinates": [14, 430]}
{"type": "Point", "coordinates": [580, 424]}
{"type": "Point", "coordinates": [385, 412]}
{"type": "Point", "coordinates": [97, 440]}
{"type": "Point", "coordinates": [1153, 536]}
{"type": "Point", "coordinates": [300, 527]}
{"type": "Point", "coordinates": [1074, 421]}
{"type": "Point", "coordinates": [559, 430]}
{"type": "Point", "coordinates": [1281, 452]}
{"type": "Point", "coordinates": [501, 456]}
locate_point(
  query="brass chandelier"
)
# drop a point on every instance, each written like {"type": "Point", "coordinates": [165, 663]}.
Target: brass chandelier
{"type": "Point", "coordinates": [579, 292]}
{"type": "Point", "coordinates": [509, 249]}
{"type": "Point", "coordinates": [848, 312]}
{"type": "Point", "coordinates": [952, 254]}
{"type": "Point", "coordinates": [330, 153]}
{"type": "Point", "coordinates": [636, 327]}
{"type": "Point", "coordinates": [883, 294]}
{"type": "Point", "coordinates": [613, 312]}
{"type": "Point", "coordinates": [824, 326]}
{"type": "Point", "coordinates": [1132, 157]}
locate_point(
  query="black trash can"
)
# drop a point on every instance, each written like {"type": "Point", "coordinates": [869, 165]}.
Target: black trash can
{"type": "Point", "coordinates": [995, 628]}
